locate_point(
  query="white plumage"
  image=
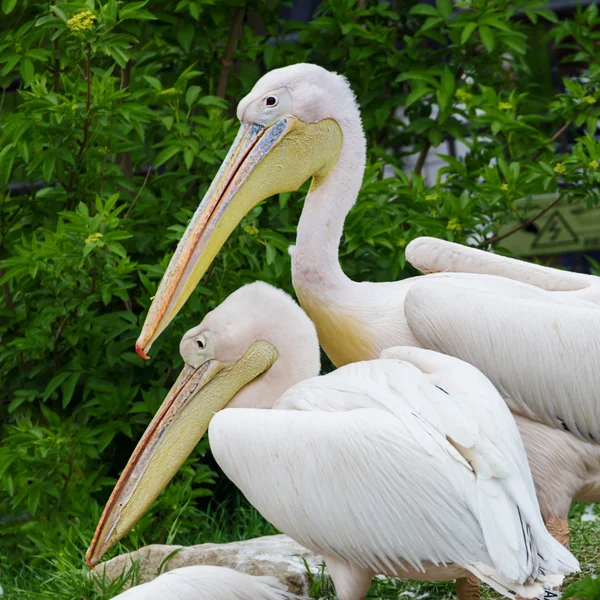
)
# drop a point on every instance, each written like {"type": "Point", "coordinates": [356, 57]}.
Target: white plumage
{"type": "Point", "coordinates": [207, 583]}
{"type": "Point", "coordinates": [533, 331]}
{"type": "Point", "coordinates": [396, 468]}
{"type": "Point", "coordinates": [410, 465]}
{"type": "Point", "coordinates": [540, 357]}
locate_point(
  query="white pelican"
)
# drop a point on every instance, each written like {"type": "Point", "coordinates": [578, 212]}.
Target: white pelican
{"type": "Point", "coordinates": [408, 466]}
{"type": "Point", "coordinates": [534, 331]}
{"type": "Point", "coordinates": [204, 582]}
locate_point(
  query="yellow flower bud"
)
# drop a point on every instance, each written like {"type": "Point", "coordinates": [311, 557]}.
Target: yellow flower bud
{"type": "Point", "coordinates": [93, 237]}
{"type": "Point", "coordinates": [463, 95]}
{"type": "Point", "coordinates": [81, 21]}
{"type": "Point", "coordinates": [560, 168]}
{"type": "Point", "coordinates": [454, 225]}
{"type": "Point", "coordinates": [593, 164]}
{"type": "Point", "coordinates": [431, 197]}
{"type": "Point", "coordinates": [251, 230]}
{"type": "Point", "coordinates": [590, 99]}
{"type": "Point", "coordinates": [505, 106]}
{"type": "Point", "coordinates": [504, 187]}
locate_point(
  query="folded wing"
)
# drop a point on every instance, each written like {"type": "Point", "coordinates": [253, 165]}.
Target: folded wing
{"type": "Point", "coordinates": [380, 465]}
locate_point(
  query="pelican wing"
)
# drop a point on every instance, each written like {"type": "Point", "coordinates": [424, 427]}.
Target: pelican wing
{"type": "Point", "coordinates": [205, 582]}
{"type": "Point", "coordinates": [361, 466]}
{"type": "Point", "coordinates": [539, 351]}
{"type": "Point", "coordinates": [431, 255]}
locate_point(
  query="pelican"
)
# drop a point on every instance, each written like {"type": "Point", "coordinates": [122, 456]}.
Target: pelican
{"type": "Point", "coordinates": [408, 466]}
{"type": "Point", "coordinates": [203, 582]}
{"type": "Point", "coordinates": [532, 330]}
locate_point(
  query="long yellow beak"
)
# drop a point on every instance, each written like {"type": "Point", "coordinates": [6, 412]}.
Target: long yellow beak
{"type": "Point", "coordinates": [176, 429]}
{"type": "Point", "coordinates": [261, 162]}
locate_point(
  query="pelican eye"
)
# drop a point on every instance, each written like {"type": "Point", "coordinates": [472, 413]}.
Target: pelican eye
{"type": "Point", "coordinates": [271, 101]}
{"type": "Point", "coordinates": [201, 342]}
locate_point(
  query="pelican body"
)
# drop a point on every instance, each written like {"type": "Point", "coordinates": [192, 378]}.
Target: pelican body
{"type": "Point", "coordinates": [408, 466]}
{"type": "Point", "coordinates": [205, 582]}
{"type": "Point", "coordinates": [534, 331]}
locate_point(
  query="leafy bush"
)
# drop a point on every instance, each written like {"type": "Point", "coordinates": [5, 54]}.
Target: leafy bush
{"type": "Point", "coordinates": [117, 114]}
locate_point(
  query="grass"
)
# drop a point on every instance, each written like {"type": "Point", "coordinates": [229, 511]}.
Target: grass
{"type": "Point", "coordinates": [64, 576]}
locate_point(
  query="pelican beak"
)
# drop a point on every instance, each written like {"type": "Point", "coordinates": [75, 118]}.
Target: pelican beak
{"type": "Point", "coordinates": [262, 161]}
{"type": "Point", "coordinates": [176, 429]}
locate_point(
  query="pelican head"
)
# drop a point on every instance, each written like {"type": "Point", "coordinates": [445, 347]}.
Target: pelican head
{"type": "Point", "coordinates": [245, 353]}
{"type": "Point", "coordinates": [293, 123]}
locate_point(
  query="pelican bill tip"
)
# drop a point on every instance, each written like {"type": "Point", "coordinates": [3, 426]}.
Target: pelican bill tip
{"type": "Point", "coordinates": [90, 559]}
{"type": "Point", "coordinates": [141, 352]}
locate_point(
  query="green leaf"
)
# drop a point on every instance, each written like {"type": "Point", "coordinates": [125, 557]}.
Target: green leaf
{"type": "Point", "coordinates": [268, 54]}
{"type": "Point", "coordinates": [444, 8]}
{"type": "Point", "coordinates": [69, 387]}
{"type": "Point", "coordinates": [133, 10]}
{"type": "Point", "coordinates": [6, 163]}
{"type": "Point", "coordinates": [154, 82]}
{"type": "Point", "coordinates": [487, 37]}
{"type": "Point", "coordinates": [53, 384]}
{"type": "Point", "coordinates": [59, 12]}
{"type": "Point", "coordinates": [191, 95]}
{"type": "Point", "coordinates": [213, 101]}
{"type": "Point", "coordinates": [411, 75]}
{"type": "Point", "coordinates": [49, 162]}
{"type": "Point", "coordinates": [119, 55]}
{"type": "Point", "coordinates": [424, 9]}
{"type": "Point", "coordinates": [166, 154]}
{"type": "Point", "coordinates": [416, 94]}
{"type": "Point", "coordinates": [188, 157]}
{"type": "Point", "coordinates": [10, 63]}
{"type": "Point", "coordinates": [271, 254]}
{"type": "Point", "coordinates": [467, 32]}
{"type": "Point", "coordinates": [515, 43]}
{"type": "Point", "coordinates": [547, 14]}
{"type": "Point", "coordinates": [33, 499]}
{"type": "Point", "coordinates": [8, 6]}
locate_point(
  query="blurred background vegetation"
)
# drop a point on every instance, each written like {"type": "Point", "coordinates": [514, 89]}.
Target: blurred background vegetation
{"type": "Point", "coordinates": [114, 116]}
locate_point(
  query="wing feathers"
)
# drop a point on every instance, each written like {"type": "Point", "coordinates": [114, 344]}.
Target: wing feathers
{"type": "Point", "coordinates": [361, 485]}
{"type": "Point", "coordinates": [431, 255]}
{"type": "Point", "coordinates": [541, 359]}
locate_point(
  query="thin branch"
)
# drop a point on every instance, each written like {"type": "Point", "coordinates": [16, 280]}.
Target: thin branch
{"type": "Point", "coordinates": [227, 60]}
{"type": "Point", "coordinates": [67, 477]}
{"type": "Point", "coordinates": [56, 339]}
{"type": "Point", "coordinates": [422, 157]}
{"type": "Point", "coordinates": [499, 238]}
{"type": "Point", "coordinates": [138, 194]}
{"type": "Point", "coordinates": [86, 124]}
{"type": "Point", "coordinates": [552, 139]}
{"type": "Point", "coordinates": [541, 213]}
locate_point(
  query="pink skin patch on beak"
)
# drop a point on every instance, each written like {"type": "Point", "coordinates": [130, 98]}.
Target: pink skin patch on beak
{"type": "Point", "coordinates": [140, 351]}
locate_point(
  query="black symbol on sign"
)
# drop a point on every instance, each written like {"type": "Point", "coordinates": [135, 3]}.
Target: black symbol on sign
{"type": "Point", "coordinates": [555, 233]}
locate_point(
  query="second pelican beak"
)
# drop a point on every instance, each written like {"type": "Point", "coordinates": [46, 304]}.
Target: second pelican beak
{"type": "Point", "coordinates": [175, 431]}
{"type": "Point", "coordinates": [261, 162]}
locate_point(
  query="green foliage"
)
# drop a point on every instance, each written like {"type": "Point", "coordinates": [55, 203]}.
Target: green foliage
{"type": "Point", "coordinates": [587, 588]}
{"type": "Point", "coordinates": [121, 116]}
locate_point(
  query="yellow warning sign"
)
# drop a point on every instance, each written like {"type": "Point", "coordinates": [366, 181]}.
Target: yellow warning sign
{"type": "Point", "coordinates": [564, 228]}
